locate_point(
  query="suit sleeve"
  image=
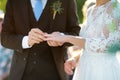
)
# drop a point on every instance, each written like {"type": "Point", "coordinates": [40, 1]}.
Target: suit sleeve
{"type": "Point", "coordinates": [9, 37]}
{"type": "Point", "coordinates": [73, 27]}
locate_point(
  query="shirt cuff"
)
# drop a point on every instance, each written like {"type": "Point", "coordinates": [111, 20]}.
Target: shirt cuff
{"type": "Point", "coordinates": [25, 43]}
{"type": "Point", "coordinates": [62, 33]}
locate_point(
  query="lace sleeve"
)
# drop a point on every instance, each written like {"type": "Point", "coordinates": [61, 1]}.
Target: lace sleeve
{"type": "Point", "coordinates": [102, 45]}
{"type": "Point", "coordinates": [84, 26]}
{"type": "Point", "coordinates": [110, 31]}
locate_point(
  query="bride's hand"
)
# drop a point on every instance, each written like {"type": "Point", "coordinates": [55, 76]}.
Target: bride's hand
{"type": "Point", "coordinates": [69, 65]}
{"type": "Point", "coordinates": [55, 36]}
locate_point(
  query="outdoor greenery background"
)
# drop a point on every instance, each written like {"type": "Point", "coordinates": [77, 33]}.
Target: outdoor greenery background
{"type": "Point", "coordinates": [2, 5]}
{"type": "Point", "coordinates": [80, 4]}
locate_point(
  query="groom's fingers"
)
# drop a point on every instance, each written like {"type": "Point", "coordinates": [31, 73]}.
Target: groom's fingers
{"type": "Point", "coordinates": [49, 43]}
{"type": "Point", "coordinates": [33, 40]}
{"type": "Point", "coordinates": [35, 36]}
{"type": "Point", "coordinates": [60, 43]}
{"type": "Point", "coordinates": [37, 33]}
{"type": "Point", "coordinates": [54, 43]}
{"type": "Point", "coordinates": [36, 39]}
{"type": "Point", "coordinates": [48, 37]}
{"type": "Point", "coordinates": [37, 30]}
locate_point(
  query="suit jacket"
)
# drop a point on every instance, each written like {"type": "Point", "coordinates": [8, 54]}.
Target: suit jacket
{"type": "Point", "coordinates": [16, 26]}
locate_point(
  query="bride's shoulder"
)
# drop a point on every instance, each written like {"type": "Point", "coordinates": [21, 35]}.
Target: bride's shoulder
{"type": "Point", "coordinates": [90, 9]}
{"type": "Point", "coordinates": [113, 5]}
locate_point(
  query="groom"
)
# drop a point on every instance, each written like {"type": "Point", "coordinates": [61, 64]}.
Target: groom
{"type": "Point", "coordinates": [24, 26]}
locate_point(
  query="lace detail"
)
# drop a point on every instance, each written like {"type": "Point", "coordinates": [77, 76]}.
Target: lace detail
{"type": "Point", "coordinates": [102, 28]}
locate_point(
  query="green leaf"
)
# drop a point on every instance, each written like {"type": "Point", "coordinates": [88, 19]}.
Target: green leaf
{"type": "Point", "coordinates": [57, 6]}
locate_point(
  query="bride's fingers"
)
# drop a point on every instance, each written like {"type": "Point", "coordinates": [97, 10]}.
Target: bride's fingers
{"type": "Point", "coordinates": [68, 70]}
{"type": "Point", "coordinates": [48, 39]}
{"type": "Point", "coordinates": [48, 35]}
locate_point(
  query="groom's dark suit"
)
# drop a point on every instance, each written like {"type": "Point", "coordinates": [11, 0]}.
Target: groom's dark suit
{"type": "Point", "coordinates": [40, 62]}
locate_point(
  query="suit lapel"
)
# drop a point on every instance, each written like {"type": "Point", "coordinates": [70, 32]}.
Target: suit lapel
{"type": "Point", "coordinates": [47, 12]}
{"type": "Point", "coordinates": [51, 17]}
{"type": "Point", "coordinates": [53, 21]}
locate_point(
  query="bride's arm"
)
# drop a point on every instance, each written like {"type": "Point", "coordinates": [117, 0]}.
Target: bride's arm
{"type": "Point", "coordinates": [75, 40]}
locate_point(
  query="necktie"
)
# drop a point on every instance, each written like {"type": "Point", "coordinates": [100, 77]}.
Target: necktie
{"type": "Point", "coordinates": [38, 9]}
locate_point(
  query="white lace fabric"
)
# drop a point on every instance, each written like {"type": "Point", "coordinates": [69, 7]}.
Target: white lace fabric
{"type": "Point", "coordinates": [102, 28]}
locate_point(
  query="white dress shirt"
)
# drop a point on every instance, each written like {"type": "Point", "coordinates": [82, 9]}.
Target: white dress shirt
{"type": "Point", "coordinates": [25, 38]}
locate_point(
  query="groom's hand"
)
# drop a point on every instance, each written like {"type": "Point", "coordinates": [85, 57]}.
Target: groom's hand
{"type": "Point", "coordinates": [35, 36]}
{"type": "Point", "coordinates": [54, 43]}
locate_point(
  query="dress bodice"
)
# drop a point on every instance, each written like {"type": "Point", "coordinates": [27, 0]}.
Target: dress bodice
{"type": "Point", "coordinates": [102, 28]}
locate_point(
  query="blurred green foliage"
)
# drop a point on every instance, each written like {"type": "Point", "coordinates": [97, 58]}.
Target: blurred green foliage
{"type": "Point", "coordinates": [114, 48]}
{"type": "Point", "coordinates": [2, 5]}
{"type": "Point", "coordinates": [80, 4]}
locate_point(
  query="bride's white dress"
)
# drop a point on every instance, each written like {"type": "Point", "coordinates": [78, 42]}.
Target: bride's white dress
{"type": "Point", "coordinates": [102, 28]}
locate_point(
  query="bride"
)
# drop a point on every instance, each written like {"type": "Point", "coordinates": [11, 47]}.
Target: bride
{"type": "Point", "coordinates": [97, 37]}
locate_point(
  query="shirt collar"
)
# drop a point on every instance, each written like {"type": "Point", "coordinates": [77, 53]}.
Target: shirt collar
{"type": "Point", "coordinates": [44, 2]}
